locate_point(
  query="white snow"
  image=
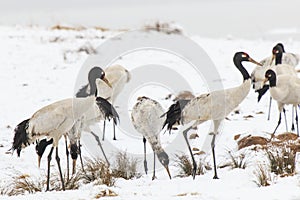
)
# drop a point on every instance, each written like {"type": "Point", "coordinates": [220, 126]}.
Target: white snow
{"type": "Point", "coordinates": [40, 66]}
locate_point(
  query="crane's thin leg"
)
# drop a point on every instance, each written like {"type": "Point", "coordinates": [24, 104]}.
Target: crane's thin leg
{"type": "Point", "coordinates": [153, 177]}
{"type": "Point", "coordinates": [59, 168]}
{"type": "Point", "coordinates": [297, 121]}
{"type": "Point", "coordinates": [79, 152]}
{"type": "Point", "coordinates": [293, 126]}
{"type": "Point", "coordinates": [270, 103]}
{"type": "Point", "coordinates": [114, 129]}
{"type": "Point", "coordinates": [100, 145]}
{"type": "Point", "coordinates": [103, 136]}
{"type": "Point", "coordinates": [214, 156]}
{"type": "Point", "coordinates": [48, 175]}
{"type": "Point", "coordinates": [213, 141]}
{"type": "Point", "coordinates": [67, 153]}
{"type": "Point", "coordinates": [190, 150]}
{"type": "Point", "coordinates": [145, 160]}
{"type": "Point", "coordinates": [279, 121]}
{"type": "Point", "coordinates": [286, 126]}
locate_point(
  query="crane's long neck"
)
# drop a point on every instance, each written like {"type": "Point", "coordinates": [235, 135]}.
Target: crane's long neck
{"type": "Point", "coordinates": [272, 81]}
{"type": "Point", "coordinates": [242, 69]}
{"type": "Point", "coordinates": [93, 88]}
{"type": "Point", "coordinates": [278, 58]}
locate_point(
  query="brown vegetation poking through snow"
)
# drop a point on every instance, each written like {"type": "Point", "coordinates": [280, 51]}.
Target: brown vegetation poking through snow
{"type": "Point", "coordinates": [250, 140]}
{"type": "Point", "coordinates": [280, 151]}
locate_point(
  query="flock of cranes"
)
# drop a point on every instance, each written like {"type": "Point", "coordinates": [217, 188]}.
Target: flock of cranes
{"type": "Point", "coordinates": [94, 103]}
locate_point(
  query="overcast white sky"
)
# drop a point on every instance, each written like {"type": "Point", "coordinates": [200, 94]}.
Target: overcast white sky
{"type": "Point", "coordinates": [206, 17]}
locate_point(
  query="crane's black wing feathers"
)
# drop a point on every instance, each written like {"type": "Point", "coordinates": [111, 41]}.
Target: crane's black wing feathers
{"type": "Point", "coordinates": [108, 109]}
{"type": "Point", "coordinates": [174, 114]}
{"type": "Point", "coordinates": [261, 92]}
{"type": "Point", "coordinates": [21, 136]}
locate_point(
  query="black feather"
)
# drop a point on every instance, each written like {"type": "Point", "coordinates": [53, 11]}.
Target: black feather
{"type": "Point", "coordinates": [174, 114]}
{"type": "Point", "coordinates": [74, 151]}
{"type": "Point", "coordinates": [21, 136]}
{"type": "Point", "coordinates": [262, 91]}
{"type": "Point", "coordinates": [108, 109]}
{"type": "Point", "coordinates": [42, 145]}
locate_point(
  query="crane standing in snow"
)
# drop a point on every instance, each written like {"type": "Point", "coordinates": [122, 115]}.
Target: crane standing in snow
{"type": "Point", "coordinates": [284, 65]}
{"type": "Point", "coordinates": [213, 106]}
{"type": "Point", "coordinates": [281, 69]}
{"type": "Point", "coordinates": [87, 90]}
{"type": "Point", "coordinates": [53, 121]}
{"type": "Point", "coordinates": [285, 89]}
{"type": "Point", "coordinates": [147, 121]}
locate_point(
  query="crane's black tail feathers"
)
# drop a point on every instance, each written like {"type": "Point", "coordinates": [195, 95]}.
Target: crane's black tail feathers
{"type": "Point", "coordinates": [262, 91]}
{"type": "Point", "coordinates": [108, 110]}
{"type": "Point", "coordinates": [174, 114]}
{"type": "Point", "coordinates": [41, 146]}
{"type": "Point", "coordinates": [21, 136]}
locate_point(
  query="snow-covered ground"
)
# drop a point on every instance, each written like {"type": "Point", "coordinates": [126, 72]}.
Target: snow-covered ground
{"type": "Point", "coordinates": [40, 66]}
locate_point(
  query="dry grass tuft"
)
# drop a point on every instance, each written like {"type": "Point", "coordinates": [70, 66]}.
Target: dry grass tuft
{"type": "Point", "coordinates": [263, 176]}
{"type": "Point", "coordinates": [282, 159]}
{"type": "Point", "coordinates": [97, 171]}
{"type": "Point", "coordinates": [186, 167]}
{"type": "Point", "coordinates": [22, 184]}
{"type": "Point", "coordinates": [125, 167]}
{"type": "Point", "coordinates": [236, 161]}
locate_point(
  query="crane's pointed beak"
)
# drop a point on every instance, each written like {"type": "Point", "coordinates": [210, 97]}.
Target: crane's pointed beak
{"type": "Point", "coordinates": [255, 62]}
{"type": "Point", "coordinates": [167, 168]}
{"type": "Point", "coordinates": [273, 57]}
{"type": "Point", "coordinates": [39, 161]}
{"type": "Point", "coordinates": [107, 82]}
{"type": "Point", "coordinates": [264, 81]}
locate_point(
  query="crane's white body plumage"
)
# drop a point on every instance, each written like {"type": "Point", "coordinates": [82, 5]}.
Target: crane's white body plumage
{"type": "Point", "coordinates": [286, 91]}
{"type": "Point", "coordinates": [147, 121]}
{"type": "Point", "coordinates": [215, 105]}
{"type": "Point", "coordinates": [58, 118]}
{"type": "Point", "coordinates": [146, 118]}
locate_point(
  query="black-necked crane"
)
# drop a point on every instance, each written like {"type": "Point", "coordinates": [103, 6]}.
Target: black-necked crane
{"type": "Point", "coordinates": [146, 119]}
{"type": "Point", "coordinates": [89, 89]}
{"type": "Point", "coordinates": [258, 73]}
{"type": "Point", "coordinates": [215, 106]}
{"type": "Point", "coordinates": [285, 89]}
{"type": "Point", "coordinates": [280, 69]}
{"type": "Point", "coordinates": [285, 63]}
{"type": "Point", "coordinates": [55, 120]}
